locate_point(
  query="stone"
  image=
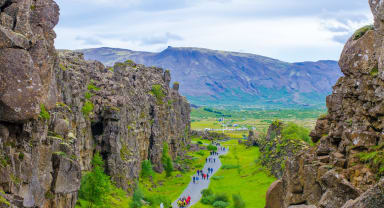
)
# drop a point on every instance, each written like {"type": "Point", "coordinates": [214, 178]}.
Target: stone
{"type": "Point", "coordinates": [275, 195]}
{"type": "Point", "coordinates": [372, 198]}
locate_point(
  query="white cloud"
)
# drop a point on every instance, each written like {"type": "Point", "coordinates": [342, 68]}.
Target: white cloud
{"type": "Point", "coordinates": [290, 30]}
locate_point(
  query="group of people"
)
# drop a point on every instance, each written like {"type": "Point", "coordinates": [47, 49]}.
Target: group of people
{"type": "Point", "coordinates": [184, 202]}
{"type": "Point", "coordinates": [211, 160]}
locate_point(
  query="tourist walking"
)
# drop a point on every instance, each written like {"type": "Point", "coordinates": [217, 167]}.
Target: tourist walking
{"type": "Point", "coordinates": [194, 179]}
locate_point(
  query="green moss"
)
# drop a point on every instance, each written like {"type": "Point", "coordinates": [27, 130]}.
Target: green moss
{"type": "Point", "coordinates": [62, 67]}
{"type": "Point", "coordinates": [125, 153]}
{"type": "Point", "coordinates": [374, 72]}
{"type": "Point", "coordinates": [4, 201]}
{"type": "Point", "coordinates": [44, 114]}
{"type": "Point", "coordinates": [361, 32]}
{"type": "Point", "coordinates": [33, 7]}
{"type": "Point", "coordinates": [49, 195]}
{"type": "Point", "coordinates": [88, 95]}
{"type": "Point", "coordinates": [87, 108]}
{"type": "Point", "coordinates": [16, 180]}
{"type": "Point", "coordinates": [92, 87]}
{"type": "Point", "coordinates": [157, 91]}
{"type": "Point", "coordinates": [130, 62]}
{"type": "Point", "coordinates": [63, 105]}
{"type": "Point", "coordinates": [323, 116]}
{"type": "Point", "coordinates": [60, 153]}
{"type": "Point", "coordinates": [111, 69]}
{"type": "Point", "coordinates": [21, 156]}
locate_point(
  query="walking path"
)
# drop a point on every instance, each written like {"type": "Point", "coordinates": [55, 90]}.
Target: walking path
{"type": "Point", "coordinates": [194, 190]}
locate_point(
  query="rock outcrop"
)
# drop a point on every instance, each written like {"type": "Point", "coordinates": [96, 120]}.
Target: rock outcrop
{"type": "Point", "coordinates": [344, 167]}
{"type": "Point", "coordinates": [275, 148]}
{"type": "Point", "coordinates": [57, 110]}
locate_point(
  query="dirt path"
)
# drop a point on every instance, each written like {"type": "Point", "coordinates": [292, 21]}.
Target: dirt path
{"type": "Point", "coordinates": [194, 190]}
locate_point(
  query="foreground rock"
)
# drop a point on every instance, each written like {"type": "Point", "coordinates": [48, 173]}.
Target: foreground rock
{"type": "Point", "coordinates": [57, 110]}
{"type": "Point", "coordinates": [344, 167]}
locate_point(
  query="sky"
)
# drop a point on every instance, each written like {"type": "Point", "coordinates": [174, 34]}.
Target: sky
{"type": "Point", "coordinates": [289, 30]}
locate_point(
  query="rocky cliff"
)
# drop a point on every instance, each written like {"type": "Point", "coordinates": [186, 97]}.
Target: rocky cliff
{"type": "Point", "coordinates": [57, 110]}
{"type": "Point", "coordinates": [345, 167]}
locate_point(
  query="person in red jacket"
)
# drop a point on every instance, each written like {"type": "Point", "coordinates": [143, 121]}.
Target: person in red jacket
{"type": "Point", "coordinates": [188, 199]}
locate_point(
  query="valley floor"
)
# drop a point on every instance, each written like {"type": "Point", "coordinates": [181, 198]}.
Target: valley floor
{"type": "Point", "coordinates": [248, 179]}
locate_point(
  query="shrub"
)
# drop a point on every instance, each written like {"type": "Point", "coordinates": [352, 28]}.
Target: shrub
{"type": "Point", "coordinates": [87, 108]}
{"type": "Point", "coordinates": [44, 114]}
{"type": "Point", "coordinates": [222, 197]}
{"type": "Point", "coordinates": [238, 201]}
{"type": "Point", "coordinates": [210, 199]}
{"type": "Point", "coordinates": [294, 131]}
{"type": "Point", "coordinates": [167, 161]}
{"type": "Point", "coordinates": [212, 148]}
{"type": "Point", "coordinates": [206, 192]}
{"type": "Point", "coordinates": [220, 204]}
{"type": "Point", "coordinates": [146, 169]}
{"type": "Point", "coordinates": [201, 153]}
{"type": "Point", "coordinates": [137, 198]}
{"type": "Point", "coordinates": [199, 142]}
{"type": "Point", "coordinates": [157, 91]}
{"type": "Point", "coordinates": [361, 32]}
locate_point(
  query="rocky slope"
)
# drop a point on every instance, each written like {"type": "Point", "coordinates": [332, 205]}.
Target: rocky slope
{"type": "Point", "coordinates": [57, 110]}
{"type": "Point", "coordinates": [345, 167]}
{"type": "Point", "coordinates": [221, 77]}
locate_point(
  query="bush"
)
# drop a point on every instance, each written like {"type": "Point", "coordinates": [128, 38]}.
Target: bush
{"type": "Point", "coordinates": [294, 131]}
{"type": "Point", "coordinates": [208, 199]}
{"type": "Point", "coordinates": [136, 198]}
{"type": "Point", "coordinates": [238, 201]}
{"type": "Point", "coordinates": [212, 148]}
{"type": "Point", "coordinates": [201, 153]}
{"type": "Point", "coordinates": [167, 161]}
{"type": "Point", "coordinates": [199, 142]}
{"type": "Point", "coordinates": [221, 197]}
{"type": "Point", "coordinates": [92, 87]}
{"type": "Point", "coordinates": [157, 91]}
{"type": "Point", "coordinates": [206, 192]}
{"type": "Point", "coordinates": [146, 169]}
{"type": "Point", "coordinates": [220, 204]}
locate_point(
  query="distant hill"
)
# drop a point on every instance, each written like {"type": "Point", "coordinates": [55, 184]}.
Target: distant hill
{"type": "Point", "coordinates": [210, 77]}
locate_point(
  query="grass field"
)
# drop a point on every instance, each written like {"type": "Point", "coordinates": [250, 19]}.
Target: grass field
{"type": "Point", "coordinates": [259, 120]}
{"type": "Point", "coordinates": [251, 182]}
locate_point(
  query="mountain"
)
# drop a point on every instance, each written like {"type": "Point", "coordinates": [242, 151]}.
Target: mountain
{"type": "Point", "coordinates": [211, 77]}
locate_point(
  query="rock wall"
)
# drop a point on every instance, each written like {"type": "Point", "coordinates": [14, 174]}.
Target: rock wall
{"type": "Point", "coordinates": [334, 173]}
{"type": "Point", "coordinates": [57, 110]}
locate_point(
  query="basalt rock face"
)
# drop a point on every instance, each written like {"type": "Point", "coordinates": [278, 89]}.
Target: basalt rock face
{"type": "Point", "coordinates": [27, 57]}
{"type": "Point", "coordinates": [334, 173]}
{"type": "Point", "coordinates": [57, 110]}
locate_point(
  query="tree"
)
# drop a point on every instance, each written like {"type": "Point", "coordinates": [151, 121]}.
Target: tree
{"type": "Point", "coordinates": [167, 160]}
{"type": "Point", "coordinates": [96, 185]}
{"type": "Point", "coordinates": [146, 169]}
{"type": "Point", "coordinates": [137, 198]}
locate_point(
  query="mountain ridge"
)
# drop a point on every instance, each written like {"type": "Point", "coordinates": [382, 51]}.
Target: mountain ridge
{"type": "Point", "coordinates": [211, 77]}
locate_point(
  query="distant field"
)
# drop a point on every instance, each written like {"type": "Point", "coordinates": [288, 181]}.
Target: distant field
{"type": "Point", "coordinates": [257, 119]}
